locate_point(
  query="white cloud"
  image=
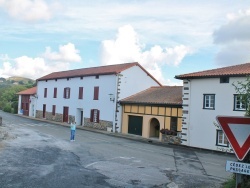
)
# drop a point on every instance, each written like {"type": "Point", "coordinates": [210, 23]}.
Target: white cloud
{"type": "Point", "coordinates": [66, 53]}
{"type": "Point", "coordinates": [28, 10]}
{"type": "Point", "coordinates": [127, 48]}
{"type": "Point", "coordinates": [234, 39]}
{"type": "Point", "coordinates": [37, 67]}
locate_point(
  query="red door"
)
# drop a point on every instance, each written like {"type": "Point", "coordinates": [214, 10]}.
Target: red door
{"type": "Point", "coordinates": [65, 114]}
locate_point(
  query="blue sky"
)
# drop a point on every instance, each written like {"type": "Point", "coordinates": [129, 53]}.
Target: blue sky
{"type": "Point", "coordinates": [166, 37]}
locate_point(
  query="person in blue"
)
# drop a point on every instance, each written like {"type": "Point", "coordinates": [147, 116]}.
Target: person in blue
{"type": "Point", "coordinates": [72, 130]}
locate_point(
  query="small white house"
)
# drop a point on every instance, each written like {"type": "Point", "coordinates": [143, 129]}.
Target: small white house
{"type": "Point", "coordinates": [207, 94]}
{"type": "Point", "coordinates": [90, 96]}
{"type": "Point", "coordinates": [27, 102]}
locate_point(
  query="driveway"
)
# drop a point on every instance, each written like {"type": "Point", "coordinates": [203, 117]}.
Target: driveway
{"type": "Point", "coordinates": [39, 154]}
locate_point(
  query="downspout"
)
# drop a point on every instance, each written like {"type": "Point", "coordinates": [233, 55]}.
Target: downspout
{"type": "Point", "coordinates": [189, 112]}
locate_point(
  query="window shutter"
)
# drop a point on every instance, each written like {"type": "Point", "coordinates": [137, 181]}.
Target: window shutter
{"type": "Point", "coordinates": [45, 92]}
{"type": "Point", "coordinates": [69, 93]}
{"type": "Point", "coordinates": [55, 92]}
{"type": "Point", "coordinates": [91, 115]}
{"type": "Point", "coordinates": [64, 93]}
{"type": "Point", "coordinates": [96, 93]}
{"type": "Point", "coordinates": [80, 93]}
{"type": "Point", "coordinates": [98, 114]}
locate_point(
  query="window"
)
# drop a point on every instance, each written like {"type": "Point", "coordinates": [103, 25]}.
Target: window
{"type": "Point", "coordinates": [94, 115]}
{"type": "Point", "coordinates": [66, 93]}
{"type": "Point", "coordinates": [224, 79]}
{"type": "Point", "coordinates": [55, 92]}
{"type": "Point", "coordinates": [173, 124]}
{"type": "Point", "coordinates": [45, 92]}
{"type": "Point", "coordinates": [96, 93]}
{"type": "Point", "coordinates": [53, 110]}
{"type": "Point", "coordinates": [97, 77]}
{"type": "Point", "coordinates": [221, 139]}
{"type": "Point", "coordinates": [80, 96]}
{"type": "Point", "coordinates": [239, 102]}
{"type": "Point", "coordinates": [209, 101]}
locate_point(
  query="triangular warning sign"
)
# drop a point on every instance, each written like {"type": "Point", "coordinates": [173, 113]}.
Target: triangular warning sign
{"type": "Point", "coordinates": [237, 131]}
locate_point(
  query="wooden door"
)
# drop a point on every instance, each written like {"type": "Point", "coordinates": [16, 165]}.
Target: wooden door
{"type": "Point", "coordinates": [65, 114]}
{"type": "Point", "coordinates": [135, 125]}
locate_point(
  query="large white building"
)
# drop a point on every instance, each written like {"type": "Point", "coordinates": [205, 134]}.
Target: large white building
{"type": "Point", "coordinates": [90, 96]}
{"type": "Point", "coordinates": [207, 94]}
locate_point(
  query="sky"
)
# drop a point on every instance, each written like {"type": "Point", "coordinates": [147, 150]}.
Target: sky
{"type": "Point", "coordinates": [166, 37]}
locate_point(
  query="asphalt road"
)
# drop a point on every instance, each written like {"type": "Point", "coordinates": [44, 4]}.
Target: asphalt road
{"type": "Point", "coordinates": [39, 154]}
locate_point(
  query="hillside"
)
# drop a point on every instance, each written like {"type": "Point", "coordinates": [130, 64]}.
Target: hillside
{"type": "Point", "coordinates": [15, 80]}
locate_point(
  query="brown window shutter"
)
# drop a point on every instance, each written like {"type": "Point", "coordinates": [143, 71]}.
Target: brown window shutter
{"type": "Point", "coordinates": [54, 110]}
{"type": "Point", "coordinates": [91, 115]}
{"type": "Point", "coordinates": [69, 92]}
{"type": "Point", "coordinates": [45, 92]}
{"type": "Point", "coordinates": [64, 93]}
{"type": "Point", "coordinates": [80, 93]}
{"type": "Point", "coordinates": [98, 115]}
{"type": "Point", "coordinates": [96, 93]}
{"type": "Point", "coordinates": [55, 92]}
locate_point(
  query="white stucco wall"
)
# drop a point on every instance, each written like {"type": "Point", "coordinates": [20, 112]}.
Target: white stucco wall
{"type": "Point", "coordinates": [201, 129]}
{"type": "Point", "coordinates": [106, 84]}
{"type": "Point", "coordinates": [133, 80]}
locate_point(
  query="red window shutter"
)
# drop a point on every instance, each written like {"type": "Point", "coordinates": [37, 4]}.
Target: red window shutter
{"type": "Point", "coordinates": [96, 93]}
{"type": "Point", "coordinates": [64, 93]}
{"type": "Point", "coordinates": [91, 115]}
{"type": "Point", "coordinates": [55, 92]}
{"type": "Point", "coordinates": [80, 93]}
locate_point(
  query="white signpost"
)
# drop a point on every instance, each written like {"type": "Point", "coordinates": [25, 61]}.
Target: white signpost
{"type": "Point", "coordinates": [238, 167]}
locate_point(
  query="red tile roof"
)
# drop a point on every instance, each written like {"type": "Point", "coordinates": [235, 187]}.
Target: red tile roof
{"type": "Point", "coordinates": [30, 91]}
{"type": "Point", "coordinates": [171, 95]}
{"type": "Point", "coordinates": [92, 71]}
{"type": "Point", "coordinates": [236, 70]}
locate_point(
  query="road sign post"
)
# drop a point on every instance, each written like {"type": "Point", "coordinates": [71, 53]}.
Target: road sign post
{"type": "Point", "coordinates": [237, 131]}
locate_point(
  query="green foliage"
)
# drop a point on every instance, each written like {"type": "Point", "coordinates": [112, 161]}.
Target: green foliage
{"type": "Point", "coordinates": [229, 183]}
{"type": "Point", "coordinates": [243, 89]}
{"type": "Point", "coordinates": [7, 108]}
{"type": "Point", "coordinates": [9, 98]}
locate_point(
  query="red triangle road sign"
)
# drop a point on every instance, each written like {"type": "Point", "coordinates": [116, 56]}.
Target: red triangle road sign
{"type": "Point", "coordinates": [237, 131]}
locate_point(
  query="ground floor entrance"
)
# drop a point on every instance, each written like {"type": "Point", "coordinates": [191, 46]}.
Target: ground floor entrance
{"type": "Point", "coordinates": [135, 125]}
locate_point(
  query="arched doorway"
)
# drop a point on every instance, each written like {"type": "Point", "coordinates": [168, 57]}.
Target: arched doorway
{"type": "Point", "coordinates": [154, 128]}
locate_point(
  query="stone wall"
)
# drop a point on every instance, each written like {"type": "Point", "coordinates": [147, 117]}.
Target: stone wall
{"type": "Point", "coordinates": [49, 116]}
{"type": "Point", "coordinates": [171, 139]}
{"type": "Point", "coordinates": [101, 125]}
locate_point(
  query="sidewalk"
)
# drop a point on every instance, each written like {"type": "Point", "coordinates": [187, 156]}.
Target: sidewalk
{"type": "Point", "coordinates": [126, 136]}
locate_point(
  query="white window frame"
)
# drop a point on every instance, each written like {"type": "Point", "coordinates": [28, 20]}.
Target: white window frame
{"type": "Point", "coordinates": [239, 103]}
{"type": "Point", "coordinates": [221, 139]}
{"type": "Point", "coordinates": [95, 115]}
{"type": "Point", "coordinates": [209, 101]}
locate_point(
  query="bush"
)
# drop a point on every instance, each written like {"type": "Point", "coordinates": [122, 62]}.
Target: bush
{"type": "Point", "coordinates": [7, 108]}
{"type": "Point", "coordinates": [229, 183]}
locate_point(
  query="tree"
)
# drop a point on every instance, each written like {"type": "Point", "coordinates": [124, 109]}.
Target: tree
{"type": "Point", "coordinates": [243, 89]}
{"type": "Point", "coordinates": [8, 96]}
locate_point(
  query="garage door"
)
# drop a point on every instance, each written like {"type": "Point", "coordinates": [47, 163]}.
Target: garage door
{"type": "Point", "coordinates": [135, 125]}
